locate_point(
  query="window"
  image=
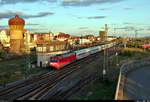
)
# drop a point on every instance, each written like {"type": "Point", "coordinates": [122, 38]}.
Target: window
{"type": "Point", "coordinates": [57, 47]}
{"type": "Point", "coordinates": [51, 48]}
{"type": "Point", "coordinates": [44, 49]}
{"type": "Point", "coordinates": [82, 53]}
{"type": "Point", "coordinates": [53, 60]}
{"type": "Point", "coordinates": [39, 49]}
{"type": "Point", "coordinates": [63, 47]}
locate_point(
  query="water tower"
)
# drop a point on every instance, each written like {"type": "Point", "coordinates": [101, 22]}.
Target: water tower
{"type": "Point", "coordinates": [16, 25]}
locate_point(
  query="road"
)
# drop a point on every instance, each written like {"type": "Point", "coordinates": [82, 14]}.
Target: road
{"type": "Point", "coordinates": [137, 85]}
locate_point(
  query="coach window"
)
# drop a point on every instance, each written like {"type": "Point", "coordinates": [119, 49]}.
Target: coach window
{"type": "Point", "coordinates": [81, 54]}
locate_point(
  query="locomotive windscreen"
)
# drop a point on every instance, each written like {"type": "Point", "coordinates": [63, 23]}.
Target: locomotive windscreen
{"type": "Point", "coordinates": [54, 60]}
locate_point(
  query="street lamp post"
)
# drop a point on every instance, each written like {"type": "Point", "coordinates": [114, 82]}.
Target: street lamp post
{"type": "Point", "coordinates": [117, 59]}
{"type": "Point", "coordinates": [104, 66]}
{"type": "Point", "coordinates": [104, 74]}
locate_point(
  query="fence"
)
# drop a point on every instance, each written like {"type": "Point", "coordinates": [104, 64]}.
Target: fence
{"type": "Point", "coordinates": [124, 70]}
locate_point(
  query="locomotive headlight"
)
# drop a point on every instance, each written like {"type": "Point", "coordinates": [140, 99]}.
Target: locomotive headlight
{"type": "Point", "coordinates": [53, 63]}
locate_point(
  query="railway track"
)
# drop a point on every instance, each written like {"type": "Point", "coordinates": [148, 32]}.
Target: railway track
{"type": "Point", "coordinates": [38, 86]}
{"type": "Point", "coordinates": [64, 95]}
{"type": "Point", "coordinates": [35, 78]}
{"type": "Point", "coordinates": [42, 90]}
{"type": "Point", "coordinates": [52, 83]}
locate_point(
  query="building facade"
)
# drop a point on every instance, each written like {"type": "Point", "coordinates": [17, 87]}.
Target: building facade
{"type": "Point", "coordinates": [5, 37]}
{"type": "Point", "coordinates": [41, 37]}
{"type": "Point", "coordinates": [63, 37]}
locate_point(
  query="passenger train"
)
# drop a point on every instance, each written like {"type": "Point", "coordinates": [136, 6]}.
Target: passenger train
{"type": "Point", "coordinates": [59, 61]}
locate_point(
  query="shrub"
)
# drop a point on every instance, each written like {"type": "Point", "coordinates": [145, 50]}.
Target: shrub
{"type": "Point", "coordinates": [127, 53]}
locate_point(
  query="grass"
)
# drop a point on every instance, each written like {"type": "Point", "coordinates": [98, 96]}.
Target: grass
{"type": "Point", "coordinates": [134, 53]}
{"type": "Point", "coordinates": [106, 91]}
{"type": "Point", "coordinates": [100, 90]}
{"type": "Point", "coordinates": [14, 70]}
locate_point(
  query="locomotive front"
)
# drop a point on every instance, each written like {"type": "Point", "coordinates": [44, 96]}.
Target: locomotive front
{"type": "Point", "coordinates": [54, 62]}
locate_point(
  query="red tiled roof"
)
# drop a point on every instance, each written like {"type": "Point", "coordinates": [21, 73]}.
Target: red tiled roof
{"type": "Point", "coordinates": [63, 36]}
{"type": "Point", "coordinates": [24, 30]}
{"type": "Point", "coordinates": [38, 33]}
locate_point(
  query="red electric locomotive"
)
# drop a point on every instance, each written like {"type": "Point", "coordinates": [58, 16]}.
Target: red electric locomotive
{"type": "Point", "coordinates": [61, 60]}
{"type": "Point", "coordinates": [145, 46]}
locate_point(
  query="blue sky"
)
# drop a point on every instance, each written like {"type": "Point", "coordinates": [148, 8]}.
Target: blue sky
{"type": "Point", "coordinates": [78, 17]}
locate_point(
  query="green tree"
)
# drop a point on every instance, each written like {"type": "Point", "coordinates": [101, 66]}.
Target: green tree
{"type": "Point", "coordinates": [1, 50]}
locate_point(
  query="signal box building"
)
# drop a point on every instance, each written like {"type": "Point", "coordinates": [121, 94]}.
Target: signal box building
{"type": "Point", "coordinates": [48, 49]}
